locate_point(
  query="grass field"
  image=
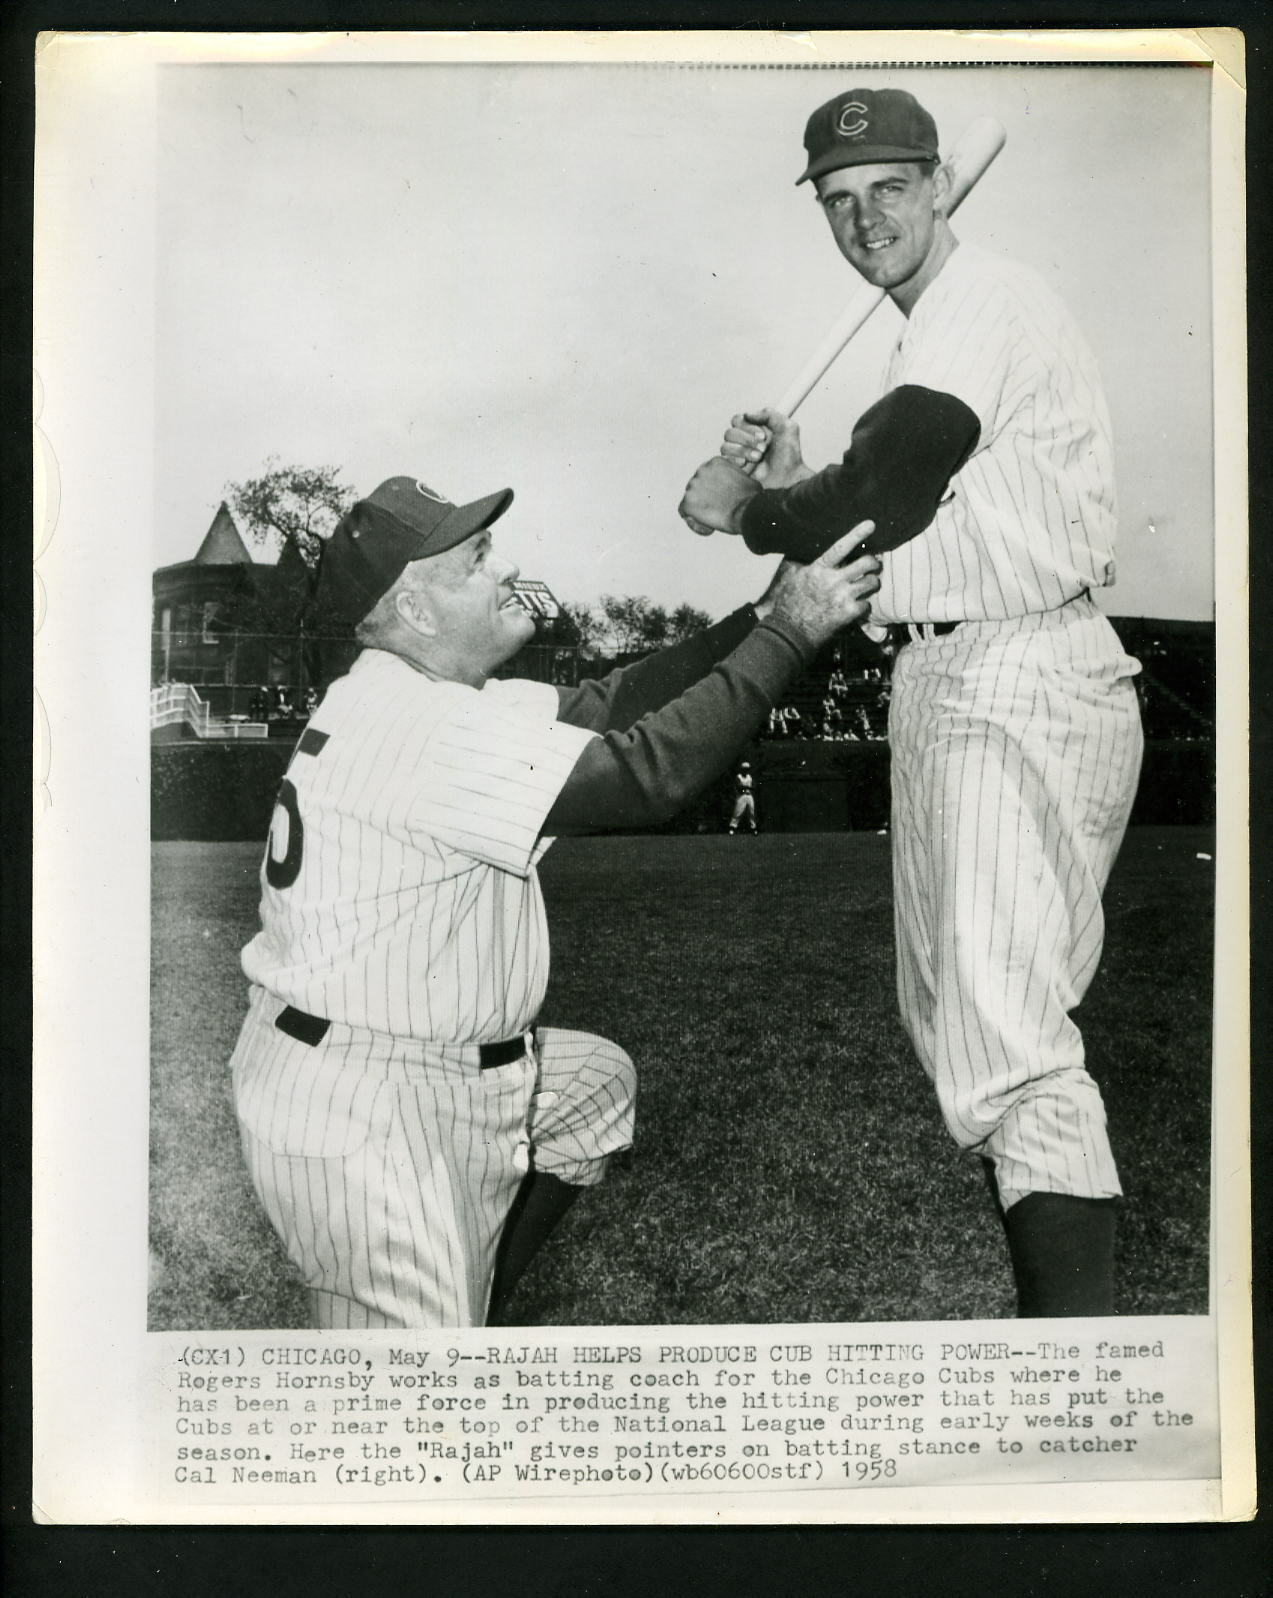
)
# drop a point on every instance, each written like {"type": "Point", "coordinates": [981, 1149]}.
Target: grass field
{"type": "Point", "coordinates": [790, 1163]}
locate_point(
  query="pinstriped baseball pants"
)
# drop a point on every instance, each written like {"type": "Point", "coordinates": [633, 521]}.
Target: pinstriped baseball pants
{"type": "Point", "coordinates": [388, 1167]}
{"type": "Point", "coordinates": [1016, 750]}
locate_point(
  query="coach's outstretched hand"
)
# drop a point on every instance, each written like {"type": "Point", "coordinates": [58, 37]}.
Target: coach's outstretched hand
{"type": "Point", "coordinates": [827, 595]}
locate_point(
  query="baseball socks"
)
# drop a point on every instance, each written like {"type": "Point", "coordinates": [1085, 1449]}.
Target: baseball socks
{"type": "Point", "coordinates": [1062, 1250]}
{"type": "Point", "coordinates": [541, 1202]}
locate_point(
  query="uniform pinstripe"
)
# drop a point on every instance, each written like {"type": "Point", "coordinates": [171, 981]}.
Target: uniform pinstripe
{"type": "Point", "coordinates": [1016, 738]}
{"type": "Point", "coordinates": [400, 903]}
{"type": "Point", "coordinates": [1031, 520]}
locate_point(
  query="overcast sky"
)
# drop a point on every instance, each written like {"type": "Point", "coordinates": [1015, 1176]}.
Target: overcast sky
{"type": "Point", "coordinates": [565, 278]}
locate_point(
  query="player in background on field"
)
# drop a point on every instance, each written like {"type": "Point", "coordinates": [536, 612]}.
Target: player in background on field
{"type": "Point", "coordinates": [411, 1132]}
{"type": "Point", "coordinates": [1016, 740]}
{"type": "Point", "coordinates": [744, 800]}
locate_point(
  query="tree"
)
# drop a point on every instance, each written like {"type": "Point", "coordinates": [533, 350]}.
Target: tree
{"type": "Point", "coordinates": [585, 628]}
{"type": "Point", "coordinates": [632, 624]}
{"type": "Point", "coordinates": [297, 505]}
{"type": "Point", "coordinates": [685, 621]}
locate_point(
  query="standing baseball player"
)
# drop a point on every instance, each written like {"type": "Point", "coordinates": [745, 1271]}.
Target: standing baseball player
{"type": "Point", "coordinates": [744, 810]}
{"type": "Point", "coordinates": [1016, 740]}
{"type": "Point", "coordinates": [412, 1134]}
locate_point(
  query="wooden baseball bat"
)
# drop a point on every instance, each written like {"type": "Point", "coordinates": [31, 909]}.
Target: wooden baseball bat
{"type": "Point", "coordinates": [969, 157]}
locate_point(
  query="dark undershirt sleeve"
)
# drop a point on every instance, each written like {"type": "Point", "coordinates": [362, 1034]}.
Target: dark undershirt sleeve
{"type": "Point", "coordinates": [644, 775]}
{"type": "Point", "coordinates": [901, 457]}
{"type": "Point", "coordinates": [621, 698]}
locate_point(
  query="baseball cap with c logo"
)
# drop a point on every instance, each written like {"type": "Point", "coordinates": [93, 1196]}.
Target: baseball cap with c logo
{"type": "Point", "coordinates": [868, 127]}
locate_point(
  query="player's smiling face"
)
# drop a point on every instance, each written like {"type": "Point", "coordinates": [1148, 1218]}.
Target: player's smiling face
{"type": "Point", "coordinates": [475, 610]}
{"type": "Point", "coordinates": [884, 219]}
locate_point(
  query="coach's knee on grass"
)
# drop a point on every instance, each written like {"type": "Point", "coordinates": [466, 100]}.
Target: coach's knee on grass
{"type": "Point", "coordinates": [583, 1109]}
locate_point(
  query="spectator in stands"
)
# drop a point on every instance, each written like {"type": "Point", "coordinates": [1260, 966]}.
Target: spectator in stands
{"type": "Point", "coordinates": [832, 720]}
{"type": "Point", "coordinates": [837, 684]}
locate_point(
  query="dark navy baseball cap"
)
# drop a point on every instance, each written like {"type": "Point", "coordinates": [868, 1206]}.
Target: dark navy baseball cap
{"type": "Point", "coordinates": [402, 521]}
{"type": "Point", "coordinates": [868, 127]}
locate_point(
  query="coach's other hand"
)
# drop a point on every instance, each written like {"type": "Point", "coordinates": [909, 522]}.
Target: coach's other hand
{"type": "Point", "coordinates": [829, 594]}
{"type": "Point", "coordinates": [766, 443]}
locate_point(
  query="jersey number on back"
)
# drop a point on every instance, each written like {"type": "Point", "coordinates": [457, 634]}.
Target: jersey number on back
{"type": "Point", "coordinates": [282, 873]}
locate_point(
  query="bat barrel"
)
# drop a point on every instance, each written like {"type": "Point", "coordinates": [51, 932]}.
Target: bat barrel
{"type": "Point", "coordinates": [978, 145]}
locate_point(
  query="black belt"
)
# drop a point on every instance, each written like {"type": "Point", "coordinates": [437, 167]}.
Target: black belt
{"type": "Point", "coordinates": [493, 1054]}
{"type": "Point", "coordinates": [312, 1029]}
{"type": "Point", "coordinates": [899, 632]}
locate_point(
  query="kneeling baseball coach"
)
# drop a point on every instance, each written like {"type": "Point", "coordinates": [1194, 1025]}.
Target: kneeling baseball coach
{"type": "Point", "coordinates": [412, 1134]}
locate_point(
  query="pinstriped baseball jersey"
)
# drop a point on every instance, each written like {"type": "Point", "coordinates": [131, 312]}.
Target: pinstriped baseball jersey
{"type": "Point", "coordinates": [401, 909]}
{"type": "Point", "coordinates": [398, 890]}
{"type": "Point", "coordinates": [1015, 738]}
{"type": "Point", "coordinates": [1029, 521]}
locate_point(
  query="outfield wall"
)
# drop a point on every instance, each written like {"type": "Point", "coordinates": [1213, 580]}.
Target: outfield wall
{"type": "Point", "coordinates": [224, 792]}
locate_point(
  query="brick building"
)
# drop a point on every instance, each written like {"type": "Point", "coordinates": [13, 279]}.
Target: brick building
{"type": "Point", "coordinates": [229, 624]}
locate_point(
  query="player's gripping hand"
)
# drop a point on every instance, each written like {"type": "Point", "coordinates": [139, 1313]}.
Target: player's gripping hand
{"type": "Point", "coordinates": [715, 496]}
{"type": "Point", "coordinates": [766, 444]}
{"type": "Point", "coordinates": [829, 594]}
{"type": "Point", "coordinates": [763, 449]}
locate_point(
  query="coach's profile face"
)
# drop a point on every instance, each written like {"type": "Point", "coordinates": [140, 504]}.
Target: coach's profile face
{"type": "Point", "coordinates": [885, 222]}
{"type": "Point", "coordinates": [464, 603]}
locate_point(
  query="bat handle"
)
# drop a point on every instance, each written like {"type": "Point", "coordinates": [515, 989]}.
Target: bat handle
{"type": "Point", "coordinates": [862, 304]}
{"type": "Point", "coordinates": [788, 405]}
